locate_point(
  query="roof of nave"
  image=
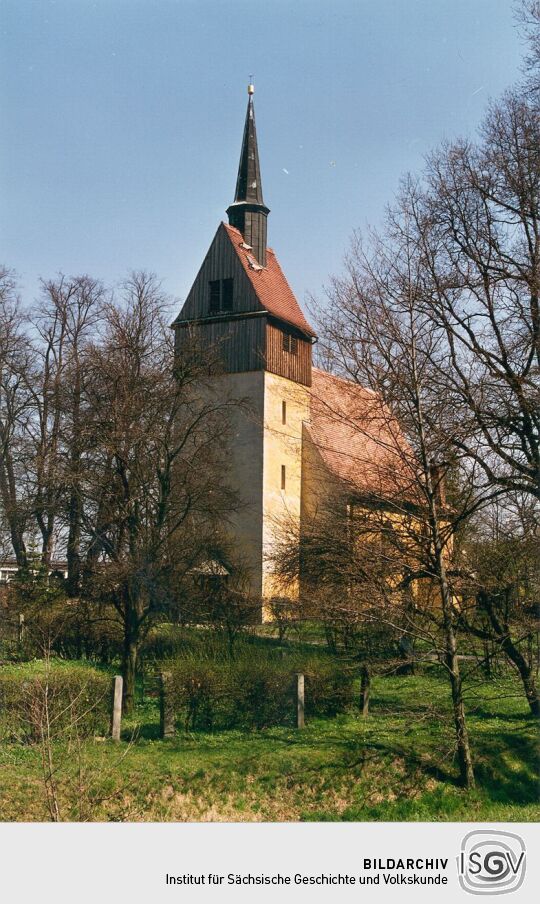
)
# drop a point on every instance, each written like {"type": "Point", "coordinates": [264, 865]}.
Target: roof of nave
{"type": "Point", "coordinates": [358, 439]}
{"type": "Point", "coordinates": [270, 284]}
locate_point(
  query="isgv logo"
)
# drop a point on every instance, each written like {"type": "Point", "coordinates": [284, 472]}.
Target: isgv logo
{"type": "Point", "coordinates": [491, 863]}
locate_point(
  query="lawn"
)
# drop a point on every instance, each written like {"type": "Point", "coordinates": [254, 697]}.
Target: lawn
{"type": "Point", "coordinates": [397, 764]}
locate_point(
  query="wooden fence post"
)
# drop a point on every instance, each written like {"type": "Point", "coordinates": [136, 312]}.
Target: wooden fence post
{"type": "Point", "coordinates": [300, 722]}
{"type": "Point", "coordinates": [116, 721]}
{"type": "Point", "coordinates": [166, 708]}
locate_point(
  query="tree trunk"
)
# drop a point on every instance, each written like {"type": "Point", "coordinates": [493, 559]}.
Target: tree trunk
{"type": "Point", "coordinates": [466, 772]}
{"type": "Point", "coordinates": [487, 659]}
{"type": "Point", "coordinates": [129, 671]}
{"type": "Point", "coordinates": [365, 687]}
{"type": "Point", "coordinates": [75, 512]}
{"type": "Point", "coordinates": [432, 486]}
{"type": "Point", "coordinates": [515, 656]}
{"type": "Point", "coordinates": [330, 639]}
{"type": "Point", "coordinates": [47, 543]}
{"type": "Point", "coordinates": [73, 547]}
{"type": "Point", "coordinates": [9, 500]}
{"type": "Point", "coordinates": [531, 692]}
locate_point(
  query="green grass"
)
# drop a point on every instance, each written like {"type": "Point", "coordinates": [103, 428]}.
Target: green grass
{"type": "Point", "coordinates": [398, 764]}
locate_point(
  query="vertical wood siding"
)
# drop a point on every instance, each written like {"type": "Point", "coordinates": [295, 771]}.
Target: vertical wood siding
{"type": "Point", "coordinates": [250, 343]}
{"type": "Point", "coordinates": [239, 343]}
{"type": "Point", "coordinates": [278, 361]}
{"type": "Point", "coordinates": [244, 343]}
{"type": "Point", "coordinates": [221, 262]}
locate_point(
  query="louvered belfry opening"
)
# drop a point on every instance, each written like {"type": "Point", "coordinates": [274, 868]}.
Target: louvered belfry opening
{"type": "Point", "coordinates": [248, 211]}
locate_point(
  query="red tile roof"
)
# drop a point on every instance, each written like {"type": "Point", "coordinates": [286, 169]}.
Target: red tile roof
{"type": "Point", "coordinates": [273, 290]}
{"type": "Point", "coordinates": [358, 439]}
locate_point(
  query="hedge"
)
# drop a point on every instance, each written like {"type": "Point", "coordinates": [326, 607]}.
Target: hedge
{"type": "Point", "coordinates": [216, 695]}
{"type": "Point", "coordinates": [73, 701]}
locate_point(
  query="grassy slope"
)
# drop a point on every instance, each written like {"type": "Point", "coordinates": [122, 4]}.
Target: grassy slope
{"type": "Point", "coordinates": [395, 765]}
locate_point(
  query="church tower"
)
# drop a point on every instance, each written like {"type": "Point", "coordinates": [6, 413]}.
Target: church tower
{"type": "Point", "coordinates": [241, 304]}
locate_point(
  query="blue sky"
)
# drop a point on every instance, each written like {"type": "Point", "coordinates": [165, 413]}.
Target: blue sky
{"type": "Point", "coordinates": [121, 122]}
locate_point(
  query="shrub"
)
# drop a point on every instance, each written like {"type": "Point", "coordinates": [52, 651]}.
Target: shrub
{"type": "Point", "coordinates": [55, 625]}
{"type": "Point", "coordinates": [171, 641]}
{"type": "Point", "coordinates": [252, 693]}
{"type": "Point", "coordinates": [40, 697]}
{"type": "Point", "coordinates": [329, 686]}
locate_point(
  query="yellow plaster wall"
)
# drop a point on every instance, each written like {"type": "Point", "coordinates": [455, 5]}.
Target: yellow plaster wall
{"type": "Point", "coordinates": [245, 471]}
{"type": "Point", "coordinates": [258, 447]}
{"type": "Point", "coordinates": [282, 446]}
{"type": "Point", "coordinates": [321, 490]}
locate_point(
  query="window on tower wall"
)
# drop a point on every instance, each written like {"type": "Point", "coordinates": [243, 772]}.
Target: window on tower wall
{"type": "Point", "coordinates": [284, 412]}
{"type": "Point", "coordinates": [221, 295]}
{"type": "Point", "coordinates": [214, 296]}
{"type": "Point", "coordinates": [283, 477]}
{"type": "Point", "coordinates": [290, 344]}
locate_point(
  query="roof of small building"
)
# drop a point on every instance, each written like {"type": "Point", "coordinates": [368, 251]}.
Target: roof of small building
{"type": "Point", "coordinates": [11, 562]}
{"type": "Point", "coordinates": [270, 284]}
{"type": "Point", "coordinates": [358, 439]}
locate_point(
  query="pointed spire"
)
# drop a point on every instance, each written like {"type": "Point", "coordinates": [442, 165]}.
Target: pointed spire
{"type": "Point", "coordinates": [248, 211]}
{"type": "Point", "coordinates": [248, 183]}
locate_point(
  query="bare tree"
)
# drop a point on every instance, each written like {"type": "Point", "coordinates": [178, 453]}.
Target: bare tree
{"type": "Point", "coordinates": [153, 496]}
{"type": "Point", "coordinates": [528, 17]}
{"type": "Point", "coordinates": [350, 585]}
{"type": "Point", "coordinates": [500, 587]}
{"type": "Point", "coordinates": [440, 317]}
{"type": "Point", "coordinates": [110, 449]}
{"type": "Point", "coordinates": [476, 223]}
{"type": "Point", "coordinates": [41, 376]}
{"type": "Point", "coordinates": [15, 398]}
{"type": "Point", "coordinates": [377, 331]}
{"type": "Point", "coordinates": [65, 322]}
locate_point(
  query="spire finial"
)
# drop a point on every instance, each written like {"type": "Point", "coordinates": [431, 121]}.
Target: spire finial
{"type": "Point", "coordinates": [251, 86]}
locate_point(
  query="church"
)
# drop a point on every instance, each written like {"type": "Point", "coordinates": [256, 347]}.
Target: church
{"type": "Point", "coordinates": [306, 435]}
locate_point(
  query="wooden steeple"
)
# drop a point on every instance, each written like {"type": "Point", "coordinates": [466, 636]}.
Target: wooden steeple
{"type": "Point", "coordinates": [248, 211]}
{"type": "Point", "coordinates": [241, 301]}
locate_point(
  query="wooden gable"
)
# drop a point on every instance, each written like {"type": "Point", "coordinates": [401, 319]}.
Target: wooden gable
{"type": "Point", "coordinates": [246, 333]}
{"type": "Point", "coordinates": [221, 262]}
